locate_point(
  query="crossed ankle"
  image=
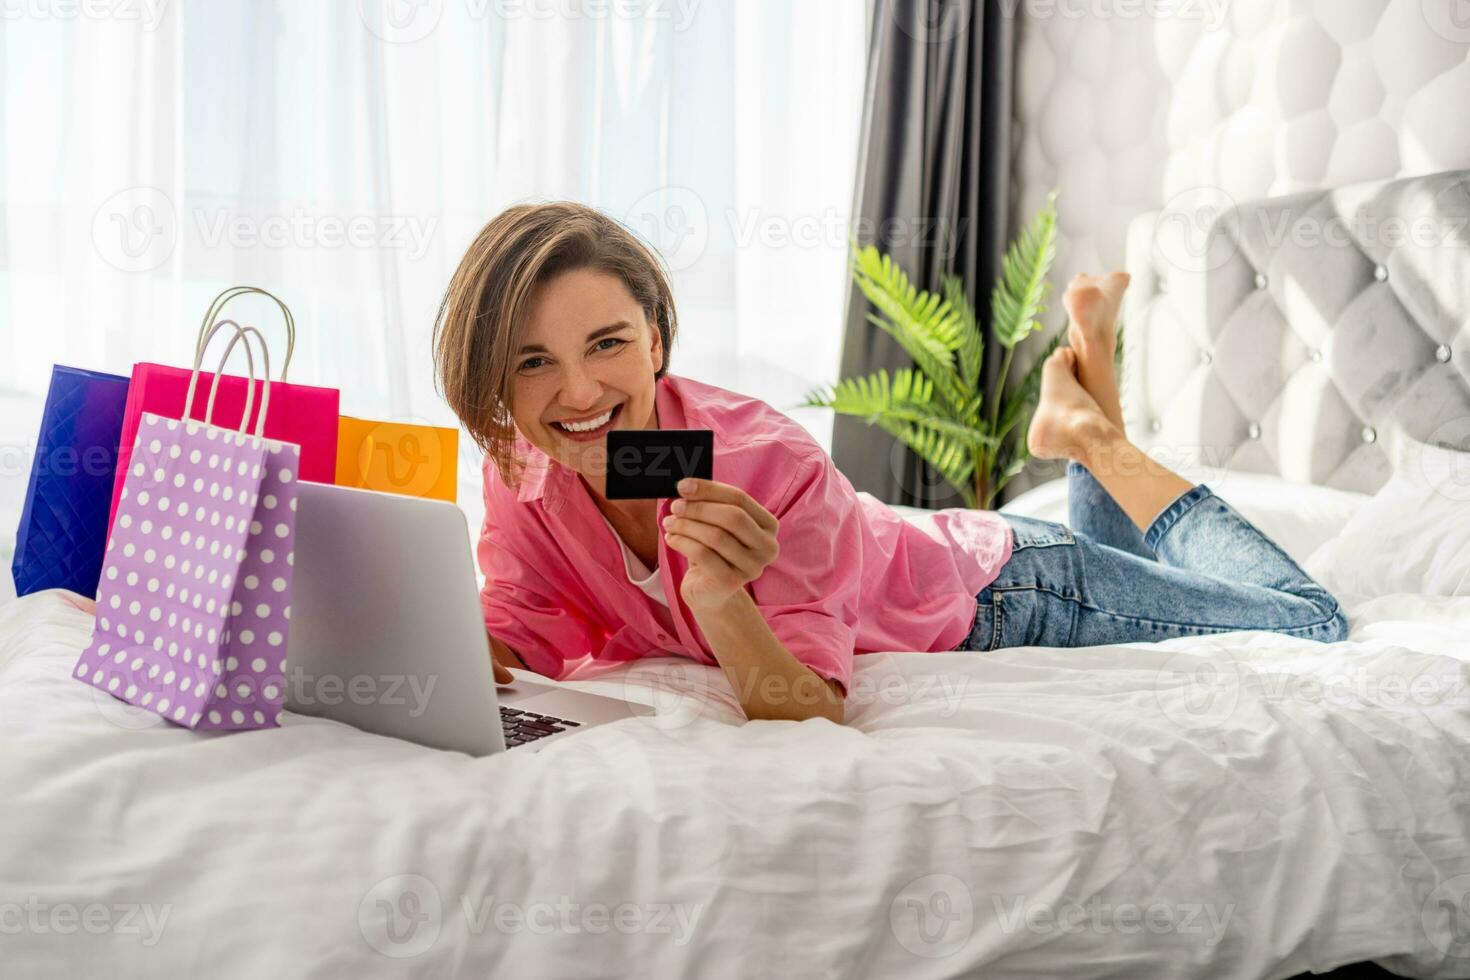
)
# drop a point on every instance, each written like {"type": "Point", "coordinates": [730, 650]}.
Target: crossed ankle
{"type": "Point", "coordinates": [1099, 381]}
{"type": "Point", "coordinates": [1106, 451]}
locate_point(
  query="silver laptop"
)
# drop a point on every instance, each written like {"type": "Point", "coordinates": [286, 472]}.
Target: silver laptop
{"type": "Point", "coordinates": [387, 634]}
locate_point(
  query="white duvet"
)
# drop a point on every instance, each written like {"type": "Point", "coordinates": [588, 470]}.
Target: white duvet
{"type": "Point", "coordinates": [1239, 806]}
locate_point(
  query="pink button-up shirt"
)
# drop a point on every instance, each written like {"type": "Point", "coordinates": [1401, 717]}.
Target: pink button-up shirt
{"type": "Point", "coordinates": [852, 575]}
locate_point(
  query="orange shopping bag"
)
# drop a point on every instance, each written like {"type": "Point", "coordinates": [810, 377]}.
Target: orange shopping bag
{"type": "Point", "coordinates": [398, 457]}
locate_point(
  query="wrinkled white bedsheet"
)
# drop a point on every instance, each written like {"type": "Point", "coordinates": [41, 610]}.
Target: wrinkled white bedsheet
{"type": "Point", "coordinates": [1244, 806]}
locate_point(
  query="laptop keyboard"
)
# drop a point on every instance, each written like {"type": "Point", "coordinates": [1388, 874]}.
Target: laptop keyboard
{"type": "Point", "coordinates": [521, 727]}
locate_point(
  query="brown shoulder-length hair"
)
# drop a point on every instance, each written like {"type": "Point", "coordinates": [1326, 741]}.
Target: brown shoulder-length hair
{"type": "Point", "coordinates": [484, 309]}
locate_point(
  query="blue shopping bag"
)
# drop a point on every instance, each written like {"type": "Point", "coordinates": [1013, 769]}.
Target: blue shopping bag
{"type": "Point", "coordinates": [63, 528]}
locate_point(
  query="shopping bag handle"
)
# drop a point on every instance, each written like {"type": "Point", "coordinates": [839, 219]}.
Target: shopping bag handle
{"type": "Point", "coordinates": [217, 305]}
{"type": "Point", "coordinates": [199, 359]}
{"type": "Point", "coordinates": [265, 388]}
{"type": "Point", "coordinates": [241, 333]}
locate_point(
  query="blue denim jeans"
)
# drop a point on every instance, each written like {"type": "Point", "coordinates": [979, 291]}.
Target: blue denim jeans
{"type": "Point", "coordinates": [1199, 568]}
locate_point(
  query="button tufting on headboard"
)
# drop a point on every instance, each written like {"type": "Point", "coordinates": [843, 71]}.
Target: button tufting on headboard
{"type": "Point", "coordinates": [1301, 335]}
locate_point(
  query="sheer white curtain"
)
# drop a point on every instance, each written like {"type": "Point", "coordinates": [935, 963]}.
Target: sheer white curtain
{"type": "Point", "coordinates": [344, 153]}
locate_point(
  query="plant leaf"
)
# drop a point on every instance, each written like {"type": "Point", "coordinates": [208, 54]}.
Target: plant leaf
{"type": "Point", "coordinates": [1020, 293]}
{"type": "Point", "coordinates": [951, 461]}
{"type": "Point", "coordinates": [925, 325]}
{"type": "Point", "coordinates": [1011, 470]}
{"type": "Point", "coordinates": [972, 342]}
{"type": "Point", "coordinates": [1029, 388]}
{"type": "Point", "coordinates": [907, 398]}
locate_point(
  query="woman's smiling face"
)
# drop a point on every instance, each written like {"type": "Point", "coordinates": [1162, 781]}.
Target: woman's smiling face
{"type": "Point", "coordinates": [587, 348]}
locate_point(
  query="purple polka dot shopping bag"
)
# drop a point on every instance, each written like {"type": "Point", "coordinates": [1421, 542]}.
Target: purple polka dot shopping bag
{"type": "Point", "coordinates": [194, 603]}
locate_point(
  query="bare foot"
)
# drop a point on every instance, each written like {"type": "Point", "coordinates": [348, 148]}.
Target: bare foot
{"type": "Point", "coordinates": [1092, 303]}
{"type": "Point", "coordinates": [1068, 422]}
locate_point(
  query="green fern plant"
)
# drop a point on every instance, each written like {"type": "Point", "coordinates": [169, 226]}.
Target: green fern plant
{"type": "Point", "coordinates": [937, 407]}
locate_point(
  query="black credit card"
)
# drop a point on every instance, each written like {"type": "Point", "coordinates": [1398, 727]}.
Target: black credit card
{"type": "Point", "coordinates": [644, 463]}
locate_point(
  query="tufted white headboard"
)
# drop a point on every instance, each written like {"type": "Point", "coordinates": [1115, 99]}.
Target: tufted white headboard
{"type": "Point", "coordinates": [1303, 335]}
{"type": "Point", "coordinates": [1124, 106]}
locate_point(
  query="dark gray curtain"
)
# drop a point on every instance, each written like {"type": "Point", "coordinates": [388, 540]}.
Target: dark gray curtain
{"type": "Point", "coordinates": [932, 190]}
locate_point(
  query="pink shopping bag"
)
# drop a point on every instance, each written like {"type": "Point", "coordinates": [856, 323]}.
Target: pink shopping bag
{"type": "Point", "coordinates": [305, 415]}
{"type": "Point", "coordinates": [193, 608]}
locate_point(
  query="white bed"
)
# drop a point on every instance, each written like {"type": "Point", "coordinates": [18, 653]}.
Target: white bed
{"type": "Point", "coordinates": [1239, 806]}
{"type": "Point", "coordinates": [1243, 806]}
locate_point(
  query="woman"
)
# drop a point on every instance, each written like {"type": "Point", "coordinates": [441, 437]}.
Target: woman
{"type": "Point", "coordinates": [557, 327]}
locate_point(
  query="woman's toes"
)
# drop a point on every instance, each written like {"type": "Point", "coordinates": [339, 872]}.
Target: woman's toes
{"type": "Point", "coordinates": [1114, 284]}
{"type": "Point", "coordinates": [1063, 360]}
{"type": "Point", "coordinates": [1086, 305]}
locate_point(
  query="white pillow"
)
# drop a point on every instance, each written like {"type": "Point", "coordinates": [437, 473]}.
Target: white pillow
{"type": "Point", "coordinates": [1412, 536]}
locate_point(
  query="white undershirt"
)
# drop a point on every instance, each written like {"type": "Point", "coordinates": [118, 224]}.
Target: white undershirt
{"type": "Point", "coordinates": [638, 573]}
